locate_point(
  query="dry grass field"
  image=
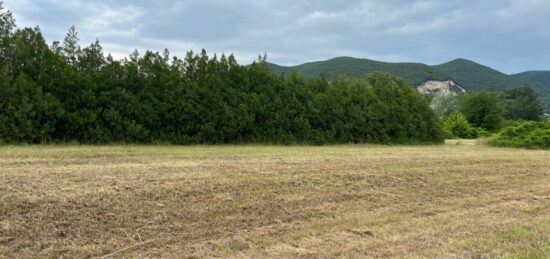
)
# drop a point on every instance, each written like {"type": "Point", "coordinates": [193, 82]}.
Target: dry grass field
{"type": "Point", "coordinates": [460, 200]}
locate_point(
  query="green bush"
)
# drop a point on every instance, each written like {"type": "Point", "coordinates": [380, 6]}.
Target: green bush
{"type": "Point", "coordinates": [524, 134]}
{"type": "Point", "coordinates": [457, 126]}
{"type": "Point", "coordinates": [483, 133]}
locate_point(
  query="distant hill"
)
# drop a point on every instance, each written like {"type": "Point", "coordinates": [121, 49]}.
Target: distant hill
{"type": "Point", "coordinates": [540, 81]}
{"type": "Point", "coordinates": [536, 78]}
{"type": "Point", "coordinates": [475, 77]}
{"type": "Point", "coordinates": [465, 73]}
{"type": "Point", "coordinates": [413, 73]}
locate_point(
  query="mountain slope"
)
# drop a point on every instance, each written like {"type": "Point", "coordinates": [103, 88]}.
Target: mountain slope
{"type": "Point", "coordinates": [413, 73]}
{"type": "Point", "coordinates": [476, 77]}
{"type": "Point", "coordinates": [535, 78]}
{"type": "Point", "coordinates": [467, 74]}
{"type": "Point", "coordinates": [540, 81]}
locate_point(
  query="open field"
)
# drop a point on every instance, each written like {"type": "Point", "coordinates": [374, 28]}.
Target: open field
{"type": "Point", "coordinates": [451, 201]}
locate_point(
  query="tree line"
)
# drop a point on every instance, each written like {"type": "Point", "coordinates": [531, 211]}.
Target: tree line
{"type": "Point", "coordinates": [66, 93]}
{"type": "Point", "coordinates": [482, 113]}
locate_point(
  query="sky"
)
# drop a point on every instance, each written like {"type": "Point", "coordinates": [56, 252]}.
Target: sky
{"type": "Point", "coordinates": [510, 36]}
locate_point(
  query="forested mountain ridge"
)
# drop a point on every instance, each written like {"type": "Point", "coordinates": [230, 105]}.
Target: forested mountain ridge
{"type": "Point", "coordinates": [540, 82]}
{"type": "Point", "coordinates": [535, 78]}
{"type": "Point", "coordinates": [465, 73]}
{"type": "Point", "coordinates": [413, 73]}
{"type": "Point", "coordinates": [477, 77]}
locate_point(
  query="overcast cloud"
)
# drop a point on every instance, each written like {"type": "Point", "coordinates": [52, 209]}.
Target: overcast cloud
{"type": "Point", "coordinates": [512, 36]}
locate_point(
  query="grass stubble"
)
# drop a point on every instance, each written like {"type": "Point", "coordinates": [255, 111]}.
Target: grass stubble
{"type": "Point", "coordinates": [451, 201]}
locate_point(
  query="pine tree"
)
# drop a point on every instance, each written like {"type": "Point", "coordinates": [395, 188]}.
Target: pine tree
{"type": "Point", "coordinates": [91, 58]}
{"type": "Point", "coordinates": [7, 21]}
{"type": "Point", "coordinates": [56, 48]}
{"type": "Point", "coordinates": [71, 49]}
{"type": "Point", "coordinates": [7, 25]}
{"type": "Point", "coordinates": [65, 93]}
{"type": "Point", "coordinates": [134, 56]}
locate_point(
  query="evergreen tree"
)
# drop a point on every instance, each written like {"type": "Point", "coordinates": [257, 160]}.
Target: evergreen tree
{"type": "Point", "coordinates": [7, 21]}
{"type": "Point", "coordinates": [7, 26]}
{"type": "Point", "coordinates": [65, 93]}
{"type": "Point", "coordinates": [71, 49]}
{"type": "Point", "coordinates": [56, 48]}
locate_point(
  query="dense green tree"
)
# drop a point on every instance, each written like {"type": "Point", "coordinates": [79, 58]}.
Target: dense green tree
{"type": "Point", "coordinates": [64, 92]}
{"type": "Point", "coordinates": [521, 104]}
{"type": "Point", "coordinates": [483, 110]}
{"type": "Point", "coordinates": [26, 112]}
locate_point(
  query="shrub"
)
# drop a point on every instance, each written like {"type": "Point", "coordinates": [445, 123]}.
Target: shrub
{"type": "Point", "coordinates": [525, 134]}
{"type": "Point", "coordinates": [483, 133]}
{"type": "Point", "coordinates": [457, 126]}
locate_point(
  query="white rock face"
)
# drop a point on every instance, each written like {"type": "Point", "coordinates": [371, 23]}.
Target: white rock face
{"type": "Point", "coordinates": [441, 88]}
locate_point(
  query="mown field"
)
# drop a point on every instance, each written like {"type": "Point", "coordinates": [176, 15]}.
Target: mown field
{"type": "Point", "coordinates": [453, 201]}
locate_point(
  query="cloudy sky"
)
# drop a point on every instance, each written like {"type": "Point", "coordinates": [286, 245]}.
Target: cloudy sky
{"type": "Point", "coordinates": [512, 36]}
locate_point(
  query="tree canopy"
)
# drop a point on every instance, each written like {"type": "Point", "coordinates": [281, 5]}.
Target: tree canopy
{"type": "Point", "coordinates": [66, 92]}
{"type": "Point", "coordinates": [483, 110]}
{"type": "Point", "coordinates": [521, 104]}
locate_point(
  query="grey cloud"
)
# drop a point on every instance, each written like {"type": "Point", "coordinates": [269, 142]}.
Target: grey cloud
{"type": "Point", "coordinates": [508, 35]}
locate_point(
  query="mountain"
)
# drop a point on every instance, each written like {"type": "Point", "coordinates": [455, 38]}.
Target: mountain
{"type": "Point", "coordinates": [413, 73]}
{"type": "Point", "coordinates": [457, 75]}
{"type": "Point", "coordinates": [475, 77]}
{"type": "Point", "coordinates": [535, 78]}
{"type": "Point", "coordinates": [540, 81]}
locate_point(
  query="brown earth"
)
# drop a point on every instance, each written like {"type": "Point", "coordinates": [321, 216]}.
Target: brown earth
{"type": "Point", "coordinates": [451, 201]}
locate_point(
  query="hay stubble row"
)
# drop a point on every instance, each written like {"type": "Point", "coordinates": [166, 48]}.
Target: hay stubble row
{"type": "Point", "coordinates": [269, 201]}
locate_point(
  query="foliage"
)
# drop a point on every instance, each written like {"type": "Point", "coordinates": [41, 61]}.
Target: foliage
{"type": "Point", "coordinates": [525, 134]}
{"type": "Point", "coordinates": [521, 104]}
{"type": "Point", "coordinates": [457, 126]}
{"type": "Point", "coordinates": [445, 105]}
{"type": "Point", "coordinates": [483, 110]}
{"type": "Point", "coordinates": [540, 82]}
{"type": "Point", "coordinates": [469, 75]}
{"type": "Point", "coordinates": [27, 114]}
{"type": "Point", "coordinates": [483, 133]}
{"type": "Point", "coordinates": [69, 93]}
{"type": "Point", "coordinates": [476, 77]}
{"type": "Point", "coordinates": [412, 73]}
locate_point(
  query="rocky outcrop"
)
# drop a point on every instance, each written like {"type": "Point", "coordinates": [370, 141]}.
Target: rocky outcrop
{"type": "Point", "coordinates": [441, 88]}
